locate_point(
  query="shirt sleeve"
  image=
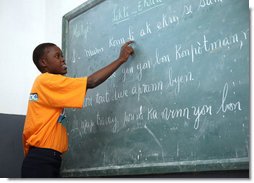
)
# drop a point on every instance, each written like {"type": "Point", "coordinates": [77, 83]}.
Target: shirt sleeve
{"type": "Point", "coordinates": [62, 91]}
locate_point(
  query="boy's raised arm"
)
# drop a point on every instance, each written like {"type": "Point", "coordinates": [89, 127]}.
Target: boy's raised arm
{"type": "Point", "coordinates": [101, 75]}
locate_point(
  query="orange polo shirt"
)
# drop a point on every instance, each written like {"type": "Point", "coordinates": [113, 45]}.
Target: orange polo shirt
{"type": "Point", "coordinates": [50, 94]}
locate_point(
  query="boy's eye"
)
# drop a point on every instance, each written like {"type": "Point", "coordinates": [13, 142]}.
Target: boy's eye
{"type": "Point", "coordinates": [57, 55]}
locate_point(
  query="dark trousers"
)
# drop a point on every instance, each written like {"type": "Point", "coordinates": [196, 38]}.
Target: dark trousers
{"type": "Point", "coordinates": [41, 163]}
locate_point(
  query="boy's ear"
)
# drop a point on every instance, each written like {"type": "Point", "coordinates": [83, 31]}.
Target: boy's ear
{"type": "Point", "coordinates": [43, 62]}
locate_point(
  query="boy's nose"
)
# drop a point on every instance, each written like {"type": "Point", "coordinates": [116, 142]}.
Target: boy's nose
{"type": "Point", "coordinates": [62, 59]}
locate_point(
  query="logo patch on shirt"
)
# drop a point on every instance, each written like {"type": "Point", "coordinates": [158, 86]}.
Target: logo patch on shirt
{"type": "Point", "coordinates": [33, 97]}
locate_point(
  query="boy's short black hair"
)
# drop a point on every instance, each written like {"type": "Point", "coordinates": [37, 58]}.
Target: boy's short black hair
{"type": "Point", "coordinates": [39, 52]}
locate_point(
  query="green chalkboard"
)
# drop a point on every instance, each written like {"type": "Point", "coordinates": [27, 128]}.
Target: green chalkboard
{"type": "Point", "coordinates": [180, 104]}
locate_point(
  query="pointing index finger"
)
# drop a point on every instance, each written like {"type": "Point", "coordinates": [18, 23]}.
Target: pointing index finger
{"type": "Point", "coordinates": [129, 42]}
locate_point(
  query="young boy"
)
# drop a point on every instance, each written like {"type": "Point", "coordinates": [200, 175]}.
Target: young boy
{"type": "Point", "coordinates": [44, 137]}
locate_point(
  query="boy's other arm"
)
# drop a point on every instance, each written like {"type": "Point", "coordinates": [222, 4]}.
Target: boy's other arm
{"type": "Point", "coordinates": [101, 75]}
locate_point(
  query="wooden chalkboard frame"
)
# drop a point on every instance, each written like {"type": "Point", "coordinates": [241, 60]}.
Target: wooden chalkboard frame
{"type": "Point", "coordinates": [202, 165]}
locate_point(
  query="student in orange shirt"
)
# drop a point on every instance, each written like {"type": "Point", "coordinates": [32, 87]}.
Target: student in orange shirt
{"type": "Point", "coordinates": [44, 137]}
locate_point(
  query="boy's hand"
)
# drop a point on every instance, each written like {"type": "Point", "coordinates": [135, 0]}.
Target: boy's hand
{"type": "Point", "coordinates": [126, 51]}
{"type": "Point", "coordinates": [101, 75]}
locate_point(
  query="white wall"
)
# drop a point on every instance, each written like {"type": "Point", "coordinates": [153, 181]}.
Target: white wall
{"type": "Point", "coordinates": [24, 25]}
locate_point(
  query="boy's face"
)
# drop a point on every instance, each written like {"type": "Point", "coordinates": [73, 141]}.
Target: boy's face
{"type": "Point", "coordinates": [53, 61]}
